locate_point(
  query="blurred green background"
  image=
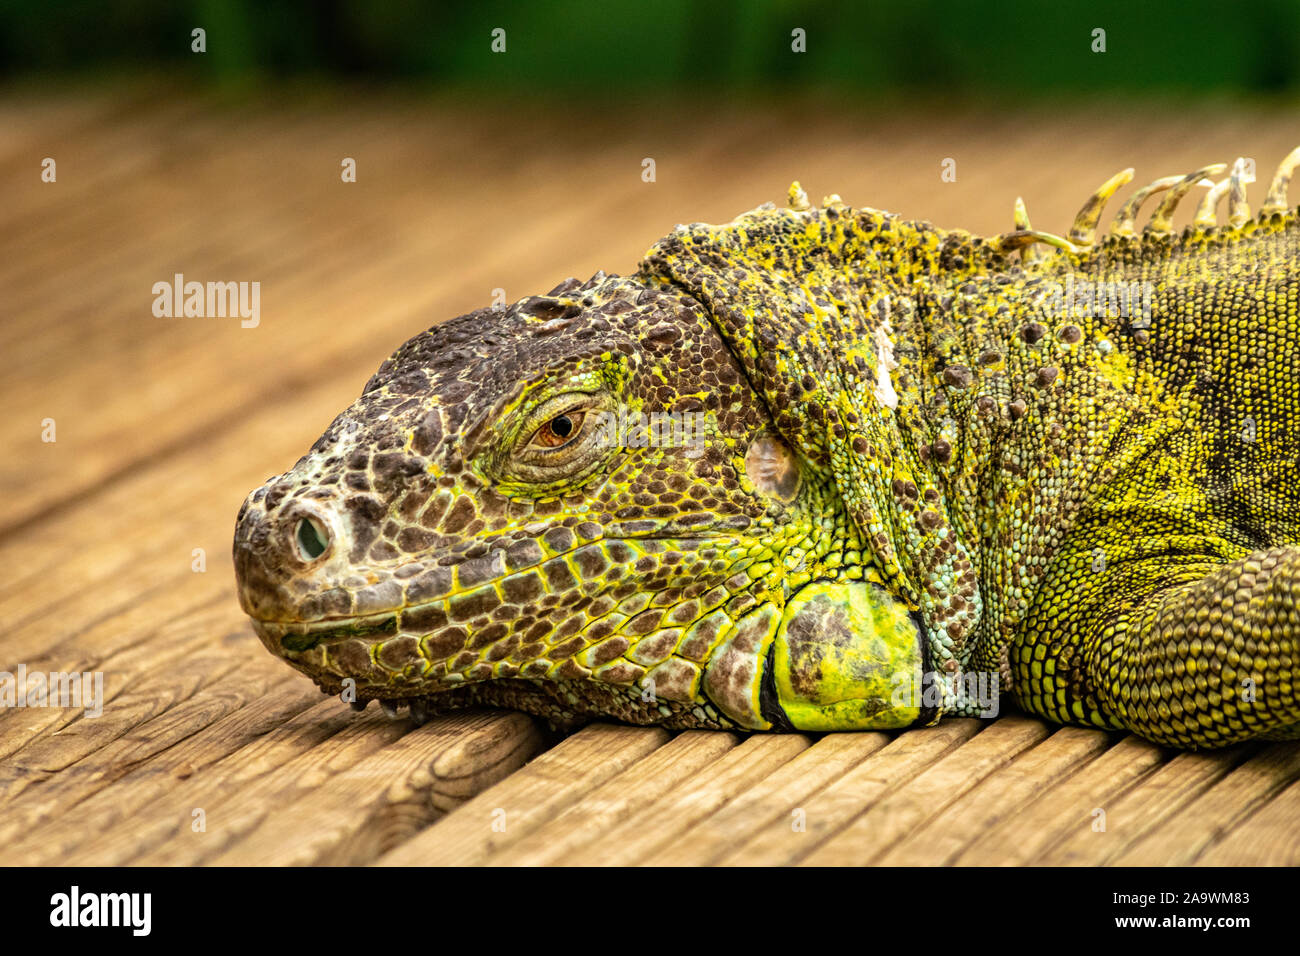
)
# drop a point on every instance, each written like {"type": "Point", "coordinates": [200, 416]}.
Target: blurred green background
{"type": "Point", "coordinates": [1019, 48]}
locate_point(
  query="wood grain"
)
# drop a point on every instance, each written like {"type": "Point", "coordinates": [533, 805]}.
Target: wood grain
{"type": "Point", "coordinates": [526, 800]}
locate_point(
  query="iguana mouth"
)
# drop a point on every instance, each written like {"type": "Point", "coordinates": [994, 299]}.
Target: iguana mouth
{"type": "Point", "coordinates": [297, 636]}
{"type": "Point", "coordinates": [300, 636]}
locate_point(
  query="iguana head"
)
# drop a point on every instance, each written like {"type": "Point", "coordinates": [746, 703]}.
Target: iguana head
{"type": "Point", "coordinates": [573, 505]}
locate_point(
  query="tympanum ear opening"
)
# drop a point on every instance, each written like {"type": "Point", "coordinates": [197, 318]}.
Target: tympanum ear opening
{"type": "Point", "coordinates": [773, 468]}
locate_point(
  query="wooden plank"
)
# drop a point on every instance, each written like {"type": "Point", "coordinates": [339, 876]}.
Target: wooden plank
{"type": "Point", "coordinates": [61, 834]}
{"type": "Point", "coordinates": [228, 815]}
{"type": "Point", "coordinates": [641, 784]}
{"type": "Point", "coordinates": [872, 780]}
{"type": "Point", "coordinates": [928, 795]}
{"type": "Point", "coordinates": [130, 675]}
{"type": "Point", "coordinates": [95, 141]}
{"type": "Point", "coordinates": [167, 817]}
{"type": "Point", "coordinates": [1146, 805]}
{"type": "Point", "coordinates": [1268, 837]}
{"type": "Point", "coordinates": [105, 315]}
{"type": "Point", "coordinates": [997, 798]}
{"type": "Point", "coordinates": [384, 799]}
{"type": "Point", "coordinates": [89, 736]}
{"type": "Point", "coordinates": [1063, 807]}
{"type": "Point", "coordinates": [474, 762]}
{"type": "Point", "coordinates": [1218, 812]}
{"type": "Point", "coordinates": [92, 753]}
{"type": "Point", "coordinates": [522, 802]}
{"type": "Point", "coordinates": [774, 802]}
{"type": "Point", "coordinates": [635, 837]}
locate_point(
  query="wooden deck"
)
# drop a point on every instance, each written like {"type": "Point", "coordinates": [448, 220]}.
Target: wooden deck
{"type": "Point", "coordinates": [209, 751]}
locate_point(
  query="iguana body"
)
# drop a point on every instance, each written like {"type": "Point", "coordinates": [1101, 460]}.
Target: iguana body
{"type": "Point", "coordinates": [921, 459]}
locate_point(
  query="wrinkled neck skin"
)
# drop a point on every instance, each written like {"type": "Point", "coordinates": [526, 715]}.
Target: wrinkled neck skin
{"type": "Point", "coordinates": [978, 364]}
{"type": "Point", "coordinates": [960, 381]}
{"type": "Point", "coordinates": [845, 323]}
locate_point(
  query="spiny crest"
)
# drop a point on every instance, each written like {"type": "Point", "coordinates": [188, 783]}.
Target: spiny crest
{"type": "Point", "coordinates": [1082, 234]}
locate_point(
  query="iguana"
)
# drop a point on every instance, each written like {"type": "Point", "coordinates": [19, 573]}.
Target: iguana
{"type": "Point", "coordinates": [816, 469]}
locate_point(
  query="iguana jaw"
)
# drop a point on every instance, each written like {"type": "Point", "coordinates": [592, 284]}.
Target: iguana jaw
{"type": "Point", "coordinates": [478, 634]}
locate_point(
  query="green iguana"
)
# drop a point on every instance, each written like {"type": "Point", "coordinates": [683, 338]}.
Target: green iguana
{"type": "Point", "coordinates": [829, 469]}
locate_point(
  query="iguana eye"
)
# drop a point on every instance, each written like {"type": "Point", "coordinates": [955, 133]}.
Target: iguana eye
{"type": "Point", "coordinates": [559, 441]}
{"type": "Point", "coordinates": [559, 431]}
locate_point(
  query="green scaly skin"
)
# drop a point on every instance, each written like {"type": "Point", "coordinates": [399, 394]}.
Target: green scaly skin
{"type": "Point", "coordinates": [919, 472]}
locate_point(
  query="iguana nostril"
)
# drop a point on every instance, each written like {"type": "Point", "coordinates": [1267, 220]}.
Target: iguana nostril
{"type": "Point", "coordinates": [313, 539]}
